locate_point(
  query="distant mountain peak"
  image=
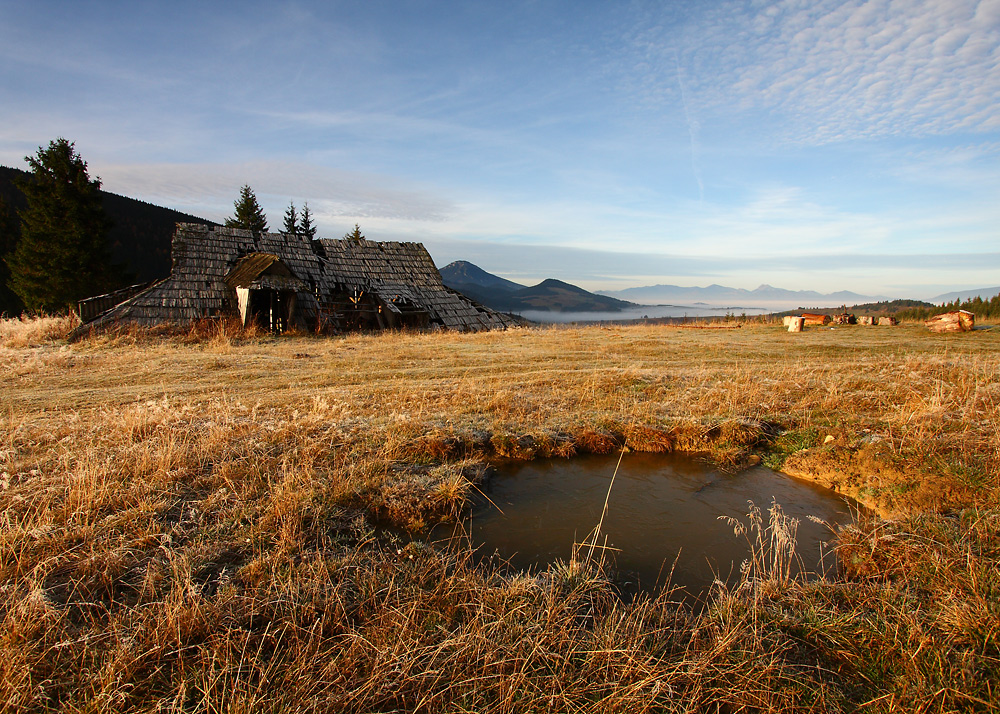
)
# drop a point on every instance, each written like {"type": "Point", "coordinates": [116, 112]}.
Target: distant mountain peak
{"type": "Point", "coordinates": [554, 283]}
{"type": "Point", "coordinates": [502, 294]}
{"type": "Point", "coordinates": [462, 272]}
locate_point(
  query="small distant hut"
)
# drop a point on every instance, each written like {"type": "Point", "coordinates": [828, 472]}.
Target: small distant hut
{"type": "Point", "coordinates": [815, 318]}
{"type": "Point", "coordinates": [794, 324]}
{"type": "Point", "coordinates": [955, 321]}
{"type": "Point", "coordinates": [279, 281]}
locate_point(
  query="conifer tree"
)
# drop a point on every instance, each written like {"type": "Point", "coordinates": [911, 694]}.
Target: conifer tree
{"type": "Point", "coordinates": [249, 215]}
{"type": "Point", "coordinates": [291, 225]}
{"type": "Point", "coordinates": [62, 255]}
{"type": "Point", "coordinates": [306, 226]}
{"type": "Point", "coordinates": [355, 234]}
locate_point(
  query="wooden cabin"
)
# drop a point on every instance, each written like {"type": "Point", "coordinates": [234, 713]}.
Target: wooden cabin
{"type": "Point", "coordinates": [280, 282]}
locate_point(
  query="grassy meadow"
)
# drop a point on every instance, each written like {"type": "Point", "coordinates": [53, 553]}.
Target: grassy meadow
{"type": "Point", "coordinates": [190, 520]}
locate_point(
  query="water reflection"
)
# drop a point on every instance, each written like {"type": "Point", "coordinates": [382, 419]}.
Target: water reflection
{"type": "Point", "coordinates": [662, 509]}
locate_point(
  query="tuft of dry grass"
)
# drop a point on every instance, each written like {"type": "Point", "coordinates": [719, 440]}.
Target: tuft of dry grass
{"type": "Point", "coordinates": [35, 331]}
{"type": "Point", "coordinates": [188, 521]}
{"type": "Point", "coordinates": [771, 546]}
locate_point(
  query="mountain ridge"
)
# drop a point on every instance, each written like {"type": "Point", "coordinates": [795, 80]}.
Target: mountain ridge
{"type": "Point", "coordinates": [550, 295]}
{"type": "Point", "coordinates": [984, 293]}
{"type": "Point", "coordinates": [721, 295]}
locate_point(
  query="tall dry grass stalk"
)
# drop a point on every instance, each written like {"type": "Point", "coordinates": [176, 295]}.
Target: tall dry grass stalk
{"type": "Point", "coordinates": [189, 522]}
{"type": "Point", "coordinates": [582, 558]}
{"type": "Point", "coordinates": [771, 546]}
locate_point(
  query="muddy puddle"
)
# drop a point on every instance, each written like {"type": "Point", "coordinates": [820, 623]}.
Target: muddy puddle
{"type": "Point", "coordinates": [663, 514]}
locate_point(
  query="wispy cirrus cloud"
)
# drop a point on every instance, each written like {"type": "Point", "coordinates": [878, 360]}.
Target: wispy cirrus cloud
{"type": "Point", "coordinates": [969, 168]}
{"type": "Point", "coordinates": [332, 194]}
{"type": "Point", "coordinates": [833, 70]}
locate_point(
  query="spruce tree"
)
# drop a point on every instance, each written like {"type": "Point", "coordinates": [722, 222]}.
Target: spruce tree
{"type": "Point", "coordinates": [62, 255]}
{"type": "Point", "coordinates": [291, 226]}
{"type": "Point", "coordinates": [249, 214]}
{"type": "Point", "coordinates": [306, 226]}
{"type": "Point", "coordinates": [355, 234]}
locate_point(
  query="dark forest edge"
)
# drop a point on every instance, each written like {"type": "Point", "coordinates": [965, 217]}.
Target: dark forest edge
{"type": "Point", "coordinates": [138, 241]}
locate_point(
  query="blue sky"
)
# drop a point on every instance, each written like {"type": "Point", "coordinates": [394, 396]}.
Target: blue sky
{"type": "Point", "coordinates": [808, 145]}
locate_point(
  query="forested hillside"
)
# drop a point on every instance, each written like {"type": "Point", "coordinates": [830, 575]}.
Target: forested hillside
{"type": "Point", "coordinates": [139, 240]}
{"type": "Point", "coordinates": [984, 309]}
{"type": "Point", "coordinates": [901, 309]}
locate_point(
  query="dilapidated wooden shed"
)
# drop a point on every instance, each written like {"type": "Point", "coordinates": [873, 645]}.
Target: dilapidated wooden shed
{"type": "Point", "coordinates": [280, 281]}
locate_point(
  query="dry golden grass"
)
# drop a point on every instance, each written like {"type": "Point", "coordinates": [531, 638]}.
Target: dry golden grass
{"type": "Point", "coordinates": [35, 331]}
{"type": "Point", "coordinates": [187, 520]}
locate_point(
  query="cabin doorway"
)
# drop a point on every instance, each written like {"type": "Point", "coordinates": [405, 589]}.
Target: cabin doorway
{"type": "Point", "coordinates": [266, 292]}
{"type": "Point", "coordinates": [267, 309]}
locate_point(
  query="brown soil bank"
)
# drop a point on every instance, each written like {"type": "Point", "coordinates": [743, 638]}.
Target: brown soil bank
{"type": "Point", "coordinates": [187, 521]}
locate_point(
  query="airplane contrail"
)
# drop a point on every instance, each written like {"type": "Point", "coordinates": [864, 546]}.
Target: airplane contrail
{"type": "Point", "coordinates": [693, 128]}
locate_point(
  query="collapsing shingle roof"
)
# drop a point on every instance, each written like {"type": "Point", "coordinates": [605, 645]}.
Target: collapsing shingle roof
{"type": "Point", "coordinates": [333, 282]}
{"type": "Point", "coordinates": [263, 270]}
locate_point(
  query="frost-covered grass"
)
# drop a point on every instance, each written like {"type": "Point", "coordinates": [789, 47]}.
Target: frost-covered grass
{"type": "Point", "coordinates": [188, 521]}
{"type": "Point", "coordinates": [28, 331]}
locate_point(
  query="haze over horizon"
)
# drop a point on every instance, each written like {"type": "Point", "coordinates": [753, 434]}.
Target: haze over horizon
{"type": "Point", "coordinates": [819, 145]}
